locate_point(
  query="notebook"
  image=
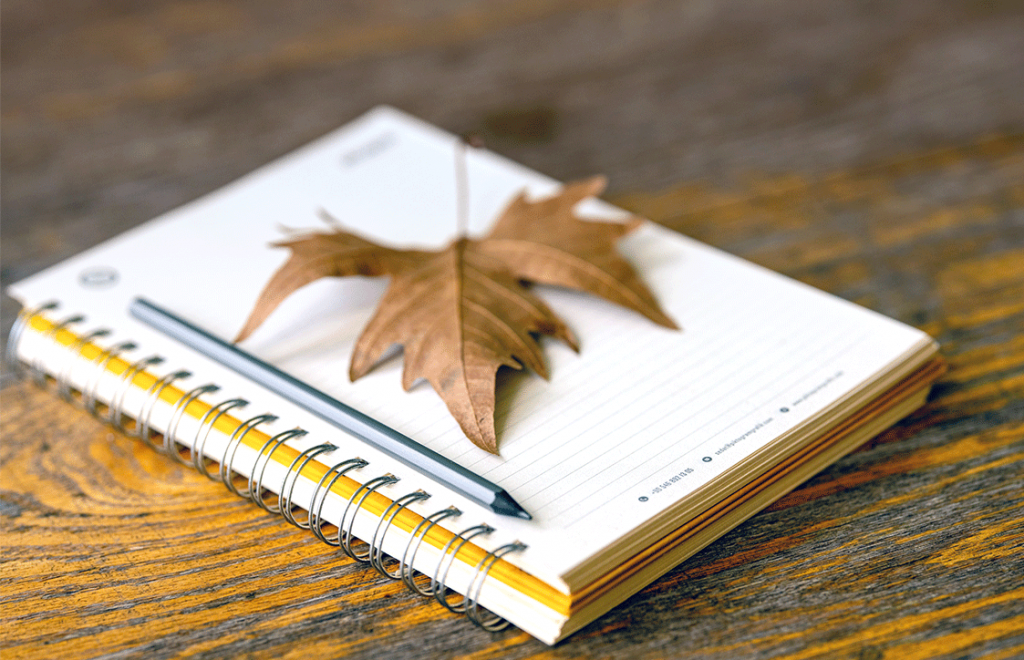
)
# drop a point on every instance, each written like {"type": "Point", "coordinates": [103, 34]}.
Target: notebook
{"type": "Point", "coordinates": [640, 450]}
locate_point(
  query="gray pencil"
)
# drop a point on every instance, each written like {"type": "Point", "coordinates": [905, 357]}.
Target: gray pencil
{"type": "Point", "coordinates": [384, 438]}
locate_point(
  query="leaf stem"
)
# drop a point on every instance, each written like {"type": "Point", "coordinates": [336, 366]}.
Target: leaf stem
{"type": "Point", "coordinates": [461, 189]}
{"type": "Point", "coordinates": [462, 181]}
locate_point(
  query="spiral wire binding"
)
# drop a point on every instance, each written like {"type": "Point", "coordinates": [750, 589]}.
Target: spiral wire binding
{"type": "Point", "coordinates": [152, 396]}
{"type": "Point", "coordinates": [99, 367]}
{"type": "Point", "coordinates": [455, 543]}
{"type": "Point", "coordinates": [255, 489]}
{"type": "Point", "coordinates": [405, 570]}
{"type": "Point", "coordinates": [18, 329]}
{"type": "Point", "coordinates": [227, 462]}
{"type": "Point", "coordinates": [316, 509]}
{"type": "Point", "coordinates": [36, 366]}
{"type": "Point", "coordinates": [345, 532]}
{"type": "Point", "coordinates": [206, 423]}
{"type": "Point", "coordinates": [75, 350]}
{"type": "Point", "coordinates": [286, 492]}
{"type": "Point", "coordinates": [170, 446]}
{"type": "Point", "coordinates": [118, 398]}
{"type": "Point", "coordinates": [491, 622]}
{"type": "Point", "coordinates": [384, 524]}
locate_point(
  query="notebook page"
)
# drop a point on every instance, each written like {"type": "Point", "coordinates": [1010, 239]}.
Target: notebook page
{"type": "Point", "coordinates": [641, 417]}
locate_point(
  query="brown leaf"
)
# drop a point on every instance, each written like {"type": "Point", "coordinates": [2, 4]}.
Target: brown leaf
{"type": "Point", "coordinates": [318, 255]}
{"type": "Point", "coordinates": [463, 312]}
{"type": "Point", "coordinates": [460, 316]}
{"type": "Point", "coordinates": [544, 242]}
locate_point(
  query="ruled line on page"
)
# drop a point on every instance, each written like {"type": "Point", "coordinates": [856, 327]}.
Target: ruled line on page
{"type": "Point", "coordinates": [642, 423]}
{"type": "Point", "coordinates": [642, 415]}
{"type": "Point", "coordinates": [629, 415]}
{"type": "Point", "coordinates": [640, 420]}
{"type": "Point", "coordinates": [633, 482]}
{"type": "Point", "coordinates": [726, 420]}
{"type": "Point", "coordinates": [635, 395]}
{"type": "Point", "coordinates": [586, 389]}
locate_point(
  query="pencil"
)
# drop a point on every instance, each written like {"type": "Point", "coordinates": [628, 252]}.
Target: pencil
{"type": "Point", "coordinates": [374, 433]}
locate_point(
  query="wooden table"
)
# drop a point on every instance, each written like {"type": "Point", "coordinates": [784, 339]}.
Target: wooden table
{"type": "Point", "coordinates": [874, 151]}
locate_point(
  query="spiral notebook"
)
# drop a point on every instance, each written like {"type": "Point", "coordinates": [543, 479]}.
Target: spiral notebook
{"type": "Point", "coordinates": [640, 450]}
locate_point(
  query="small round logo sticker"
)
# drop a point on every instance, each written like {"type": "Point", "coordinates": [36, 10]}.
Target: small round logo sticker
{"type": "Point", "coordinates": [101, 277]}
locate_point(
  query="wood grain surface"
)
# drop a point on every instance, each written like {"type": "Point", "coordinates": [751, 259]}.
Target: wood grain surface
{"type": "Point", "coordinates": [871, 150]}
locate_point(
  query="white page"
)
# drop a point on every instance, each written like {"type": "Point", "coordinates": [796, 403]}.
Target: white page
{"type": "Point", "coordinates": [639, 419]}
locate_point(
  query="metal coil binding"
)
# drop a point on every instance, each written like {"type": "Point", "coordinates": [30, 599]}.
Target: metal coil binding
{"type": "Point", "coordinates": [206, 423]}
{"type": "Point", "coordinates": [117, 398]}
{"type": "Point", "coordinates": [316, 509]}
{"type": "Point", "coordinates": [143, 428]}
{"type": "Point", "coordinates": [74, 352]}
{"type": "Point", "coordinates": [36, 366]}
{"type": "Point", "coordinates": [286, 492]}
{"type": "Point", "coordinates": [170, 445]}
{"type": "Point", "coordinates": [476, 614]}
{"type": "Point", "coordinates": [345, 531]}
{"type": "Point", "coordinates": [454, 544]}
{"type": "Point", "coordinates": [405, 570]}
{"type": "Point", "coordinates": [384, 524]}
{"type": "Point", "coordinates": [265, 453]}
{"type": "Point", "coordinates": [255, 488]}
{"type": "Point", "coordinates": [99, 367]}
{"type": "Point", "coordinates": [228, 458]}
{"type": "Point", "coordinates": [18, 329]}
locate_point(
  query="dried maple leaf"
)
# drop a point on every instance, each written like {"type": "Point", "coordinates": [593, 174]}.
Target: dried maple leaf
{"type": "Point", "coordinates": [544, 242]}
{"type": "Point", "coordinates": [463, 312]}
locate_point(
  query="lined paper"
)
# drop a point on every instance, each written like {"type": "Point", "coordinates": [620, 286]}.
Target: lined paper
{"type": "Point", "coordinates": [640, 404]}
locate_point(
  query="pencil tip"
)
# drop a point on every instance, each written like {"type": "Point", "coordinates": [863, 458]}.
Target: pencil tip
{"type": "Point", "coordinates": [504, 504]}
